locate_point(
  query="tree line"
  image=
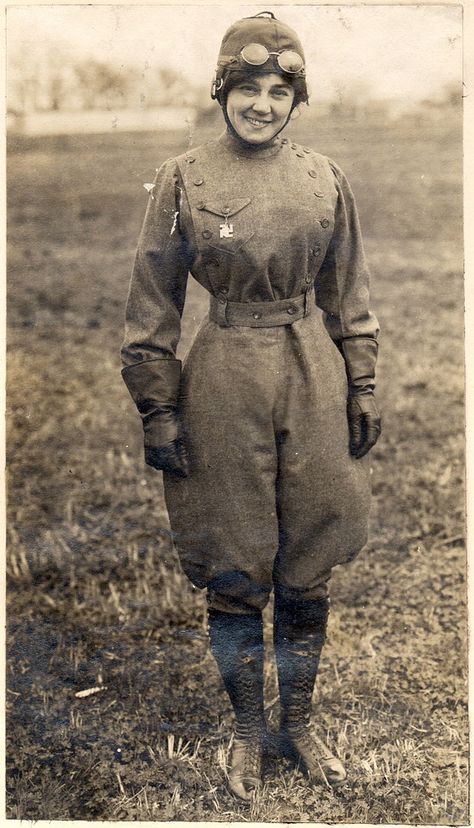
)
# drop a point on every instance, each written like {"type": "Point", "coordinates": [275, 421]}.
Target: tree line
{"type": "Point", "coordinates": [54, 82]}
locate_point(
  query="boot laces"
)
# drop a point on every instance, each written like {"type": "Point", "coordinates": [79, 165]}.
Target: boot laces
{"type": "Point", "coordinates": [246, 760]}
{"type": "Point", "coordinates": [311, 746]}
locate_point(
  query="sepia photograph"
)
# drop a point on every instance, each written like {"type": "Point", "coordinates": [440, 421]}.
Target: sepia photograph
{"type": "Point", "coordinates": [236, 564]}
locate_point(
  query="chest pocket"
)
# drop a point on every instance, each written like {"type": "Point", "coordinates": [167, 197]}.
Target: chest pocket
{"type": "Point", "coordinates": [224, 224]}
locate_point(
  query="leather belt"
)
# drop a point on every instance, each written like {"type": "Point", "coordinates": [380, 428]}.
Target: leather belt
{"type": "Point", "coordinates": [259, 314]}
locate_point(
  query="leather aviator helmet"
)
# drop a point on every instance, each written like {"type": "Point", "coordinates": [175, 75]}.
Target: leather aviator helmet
{"type": "Point", "coordinates": [260, 43]}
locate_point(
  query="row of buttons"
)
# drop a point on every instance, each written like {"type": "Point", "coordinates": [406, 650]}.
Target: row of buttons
{"type": "Point", "coordinates": [300, 154]}
{"type": "Point", "coordinates": [293, 145]}
{"type": "Point", "coordinates": [197, 181]}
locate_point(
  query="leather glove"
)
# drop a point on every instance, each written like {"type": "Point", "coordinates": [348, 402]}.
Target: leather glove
{"type": "Point", "coordinates": [154, 387]}
{"type": "Point", "coordinates": [364, 423]}
{"type": "Point", "coordinates": [170, 458]}
{"type": "Point", "coordinates": [360, 355]}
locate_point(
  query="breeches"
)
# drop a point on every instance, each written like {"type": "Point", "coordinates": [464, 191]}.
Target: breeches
{"type": "Point", "coordinates": [274, 497]}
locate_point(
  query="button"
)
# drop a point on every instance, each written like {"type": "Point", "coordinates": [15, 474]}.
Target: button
{"type": "Point", "coordinates": [300, 154]}
{"type": "Point", "coordinates": [224, 290]}
{"type": "Point", "coordinates": [206, 234]}
{"type": "Point", "coordinates": [190, 159]}
{"type": "Point", "coordinates": [222, 300]}
{"type": "Point", "coordinates": [319, 194]}
{"type": "Point", "coordinates": [294, 146]}
{"type": "Point", "coordinates": [291, 310]}
{"type": "Point", "coordinates": [312, 173]}
{"type": "Point", "coordinates": [198, 181]}
{"type": "Point", "coordinates": [315, 250]}
{"type": "Point", "coordinates": [284, 140]}
{"type": "Point", "coordinates": [308, 280]}
{"type": "Point", "coordinates": [200, 205]}
{"type": "Point", "coordinates": [257, 315]}
{"type": "Point", "coordinates": [324, 222]}
{"type": "Point", "coordinates": [226, 209]}
{"type": "Point", "coordinates": [306, 149]}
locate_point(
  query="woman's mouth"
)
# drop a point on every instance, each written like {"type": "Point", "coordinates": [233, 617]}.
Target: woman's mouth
{"type": "Point", "coordinates": [256, 122]}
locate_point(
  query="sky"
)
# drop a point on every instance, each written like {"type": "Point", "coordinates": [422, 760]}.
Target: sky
{"type": "Point", "coordinates": [400, 51]}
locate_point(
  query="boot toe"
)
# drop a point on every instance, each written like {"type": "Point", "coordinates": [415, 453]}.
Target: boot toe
{"type": "Point", "coordinates": [244, 788]}
{"type": "Point", "coordinates": [317, 758]}
{"type": "Point", "coordinates": [245, 775]}
{"type": "Point", "coordinates": [334, 771]}
{"type": "Point", "coordinates": [331, 767]}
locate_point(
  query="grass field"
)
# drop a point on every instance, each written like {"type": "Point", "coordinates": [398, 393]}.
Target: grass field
{"type": "Point", "coordinates": [96, 597]}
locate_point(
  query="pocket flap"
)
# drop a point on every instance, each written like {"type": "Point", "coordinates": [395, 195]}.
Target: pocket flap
{"type": "Point", "coordinates": [234, 245]}
{"type": "Point", "coordinates": [226, 207]}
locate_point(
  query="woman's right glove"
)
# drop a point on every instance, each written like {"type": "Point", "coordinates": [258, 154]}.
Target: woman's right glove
{"type": "Point", "coordinates": [360, 355]}
{"type": "Point", "coordinates": [154, 387]}
{"type": "Point", "coordinates": [169, 458]}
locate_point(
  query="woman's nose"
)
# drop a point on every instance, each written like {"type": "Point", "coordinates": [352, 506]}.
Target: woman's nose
{"type": "Point", "coordinates": [262, 104]}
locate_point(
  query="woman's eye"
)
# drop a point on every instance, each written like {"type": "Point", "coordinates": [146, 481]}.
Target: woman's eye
{"type": "Point", "coordinates": [280, 93]}
{"type": "Point", "coordinates": [247, 89]}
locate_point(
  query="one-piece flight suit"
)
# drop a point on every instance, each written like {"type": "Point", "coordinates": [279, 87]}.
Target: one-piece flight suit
{"type": "Point", "coordinates": [273, 495]}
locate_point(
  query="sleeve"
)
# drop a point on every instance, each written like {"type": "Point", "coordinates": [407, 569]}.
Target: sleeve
{"type": "Point", "coordinates": [342, 290]}
{"type": "Point", "coordinates": [342, 284]}
{"type": "Point", "coordinates": [154, 307]}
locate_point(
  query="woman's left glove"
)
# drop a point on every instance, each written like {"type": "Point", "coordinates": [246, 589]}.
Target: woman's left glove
{"type": "Point", "coordinates": [364, 423]}
{"type": "Point", "coordinates": [360, 356]}
{"type": "Point", "coordinates": [154, 387]}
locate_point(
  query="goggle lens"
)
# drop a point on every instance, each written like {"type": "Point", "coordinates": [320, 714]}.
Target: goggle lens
{"type": "Point", "coordinates": [290, 62]}
{"type": "Point", "coordinates": [256, 55]}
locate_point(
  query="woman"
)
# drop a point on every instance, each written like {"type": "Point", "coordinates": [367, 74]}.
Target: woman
{"type": "Point", "coordinates": [261, 435]}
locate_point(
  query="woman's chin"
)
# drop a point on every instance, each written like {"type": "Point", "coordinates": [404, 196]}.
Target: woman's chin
{"type": "Point", "coordinates": [256, 135]}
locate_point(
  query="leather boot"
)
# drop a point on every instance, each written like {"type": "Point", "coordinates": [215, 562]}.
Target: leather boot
{"type": "Point", "coordinates": [299, 633]}
{"type": "Point", "coordinates": [237, 646]}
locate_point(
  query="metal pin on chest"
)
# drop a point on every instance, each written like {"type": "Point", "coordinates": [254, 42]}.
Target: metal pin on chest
{"type": "Point", "coordinates": [226, 230]}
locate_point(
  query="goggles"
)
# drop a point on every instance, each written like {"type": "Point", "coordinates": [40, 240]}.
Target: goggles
{"type": "Point", "coordinates": [289, 61]}
{"type": "Point", "coordinates": [254, 54]}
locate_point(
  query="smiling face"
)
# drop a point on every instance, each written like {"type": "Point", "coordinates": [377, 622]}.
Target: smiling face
{"type": "Point", "coordinates": [258, 107]}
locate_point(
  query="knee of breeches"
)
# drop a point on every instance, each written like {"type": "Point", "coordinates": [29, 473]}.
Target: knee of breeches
{"type": "Point", "coordinates": [302, 615]}
{"type": "Point", "coordinates": [235, 592]}
{"type": "Point", "coordinates": [314, 593]}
